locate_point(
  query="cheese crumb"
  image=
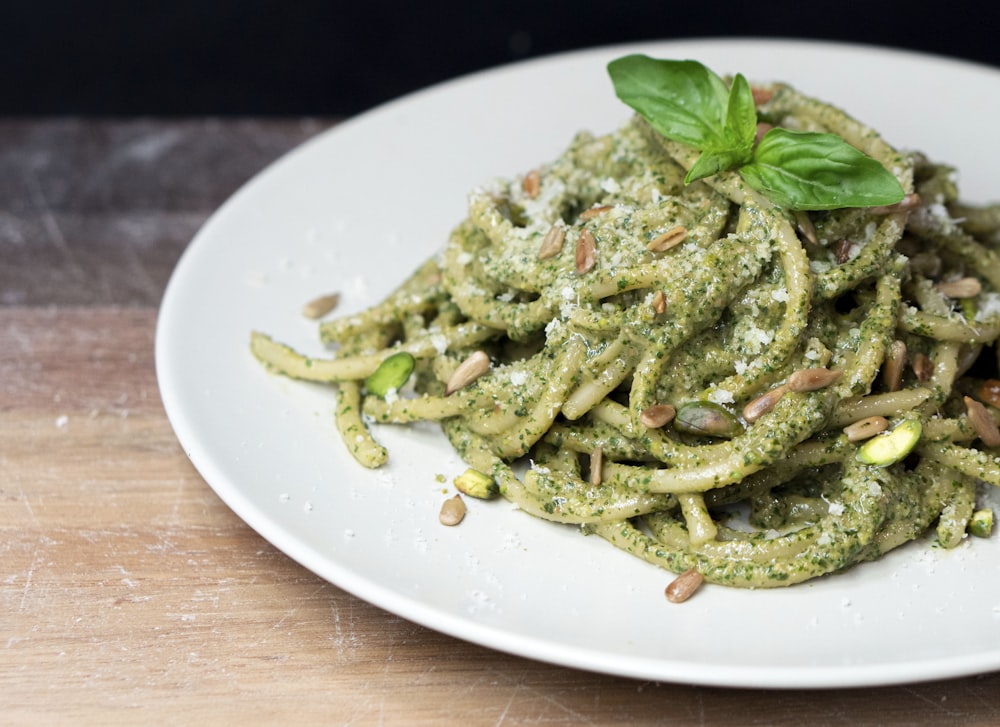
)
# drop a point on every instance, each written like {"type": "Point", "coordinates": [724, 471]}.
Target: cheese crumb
{"type": "Point", "coordinates": [721, 396]}
{"type": "Point", "coordinates": [440, 342]}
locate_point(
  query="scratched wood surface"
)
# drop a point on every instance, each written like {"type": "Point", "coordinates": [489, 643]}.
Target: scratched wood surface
{"type": "Point", "coordinates": [130, 594]}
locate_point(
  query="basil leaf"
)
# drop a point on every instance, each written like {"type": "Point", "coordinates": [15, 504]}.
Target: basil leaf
{"type": "Point", "coordinates": [741, 116]}
{"type": "Point", "coordinates": [738, 135]}
{"type": "Point", "coordinates": [682, 100]}
{"type": "Point", "coordinates": [712, 162]}
{"type": "Point", "coordinates": [806, 170]}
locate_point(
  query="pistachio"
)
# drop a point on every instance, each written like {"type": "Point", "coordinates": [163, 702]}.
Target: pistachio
{"type": "Point", "coordinates": [474, 483]}
{"type": "Point", "coordinates": [981, 523]}
{"type": "Point", "coordinates": [890, 447]}
{"type": "Point", "coordinates": [391, 374]}
{"type": "Point", "coordinates": [707, 419]}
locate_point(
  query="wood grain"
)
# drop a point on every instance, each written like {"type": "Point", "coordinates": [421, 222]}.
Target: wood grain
{"type": "Point", "coordinates": [130, 594]}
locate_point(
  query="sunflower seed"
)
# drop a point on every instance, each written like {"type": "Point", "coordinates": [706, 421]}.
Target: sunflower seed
{"type": "Point", "coordinates": [671, 238]}
{"type": "Point", "coordinates": [982, 422]}
{"type": "Point", "coordinates": [552, 243]}
{"type": "Point", "coordinates": [763, 403]}
{"type": "Point", "coordinates": [319, 307]}
{"type": "Point", "coordinates": [532, 184]}
{"type": "Point", "coordinates": [592, 212]}
{"type": "Point", "coordinates": [866, 428]}
{"type": "Point", "coordinates": [586, 252]}
{"type": "Point", "coordinates": [684, 586]}
{"type": "Point", "coordinates": [452, 511]}
{"type": "Point", "coordinates": [961, 288]}
{"type": "Point", "coordinates": [812, 379]}
{"type": "Point", "coordinates": [657, 415]}
{"type": "Point", "coordinates": [468, 371]}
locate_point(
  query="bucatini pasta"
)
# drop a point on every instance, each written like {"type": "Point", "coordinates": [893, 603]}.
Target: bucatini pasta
{"type": "Point", "coordinates": [704, 378]}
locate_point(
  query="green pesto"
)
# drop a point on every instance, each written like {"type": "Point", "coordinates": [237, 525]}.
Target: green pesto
{"type": "Point", "coordinates": [556, 425]}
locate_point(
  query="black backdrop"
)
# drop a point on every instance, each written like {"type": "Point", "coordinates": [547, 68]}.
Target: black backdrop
{"type": "Point", "coordinates": [129, 57]}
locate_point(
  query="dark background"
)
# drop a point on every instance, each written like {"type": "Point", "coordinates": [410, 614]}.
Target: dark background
{"type": "Point", "coordinates": [338, 58]}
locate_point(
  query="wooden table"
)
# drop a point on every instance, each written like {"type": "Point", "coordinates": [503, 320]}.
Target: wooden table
{"type": "Point", "coordinates": [130, 594]}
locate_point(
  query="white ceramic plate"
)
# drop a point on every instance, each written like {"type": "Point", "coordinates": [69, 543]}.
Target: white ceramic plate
{"type": "Point", "coordinates": [355, 210]}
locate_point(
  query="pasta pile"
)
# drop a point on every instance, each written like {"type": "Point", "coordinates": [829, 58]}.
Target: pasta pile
{"type": "Point", "coordinates": [691, 372]}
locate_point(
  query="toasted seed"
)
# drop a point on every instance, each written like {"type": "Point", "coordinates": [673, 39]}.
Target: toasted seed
{"type": "Point", "coordinates": [532, 183]}
{"type": "Point", "coordinates": [967, 356]}
{"type": "Point", "coordinates": [894, 363]}
{"type": "Point", "coordinates": [706, 419]}
{"type": "Point", "coordinates": [586, 252]}
{"type": "Point", "coordinates": [842, 252]}
{"type": "Point", "coordinates": [923, 367]}
{"type": "Point", "coordinates": [452, 511]}
{"type": "Point", "coordinates": [761, 95]}
{"type": "Point", "coordinates": [552, 243]}
{"type": "Point", "coordinates": [805, 224]}
{"type": "Point", "coordinates": [592, 212]}
{"type": "Point", "coordinates": [684, 586]}
{"type": "Point", "coordinates": [989, 392]}
{"type": "Point", "coordinates": [812, 379]}
{"type": "Point", "coordinates": [657, 415]}
{"type": "Point", "coordinates": [961, 288]}
{"type": "Point", "coordinates": [671, 238]}
{"type": "Point", "coordinates": [764, 403]}
{"type": "Point", "coordinates": [468, 371]}
{"type": "Point", "coordinates": [596, 466]}
{"type": "Point", "coordinates": [982, 422]}
{"type": "Point", "coordinates": [319, 307]}
{"type": "Point", "coordinates": [866, 428]}
{"type": "Point", "coordinates": [909, 202]}
{"type": "Point", "coordinates": [893, 446]}
{"type": "Point", "coordinates": [659, 302]}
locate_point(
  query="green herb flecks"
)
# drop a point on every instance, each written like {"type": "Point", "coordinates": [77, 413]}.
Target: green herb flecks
{"type": "Point", "coordinates": [688, 103]}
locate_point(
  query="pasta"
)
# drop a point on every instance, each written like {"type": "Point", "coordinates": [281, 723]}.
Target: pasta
{"type": "Point", "coordinates": [706, 380]}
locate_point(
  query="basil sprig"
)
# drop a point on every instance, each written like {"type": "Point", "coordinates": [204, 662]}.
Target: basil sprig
{"type": "Point", "coordinates": [801, 170]}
